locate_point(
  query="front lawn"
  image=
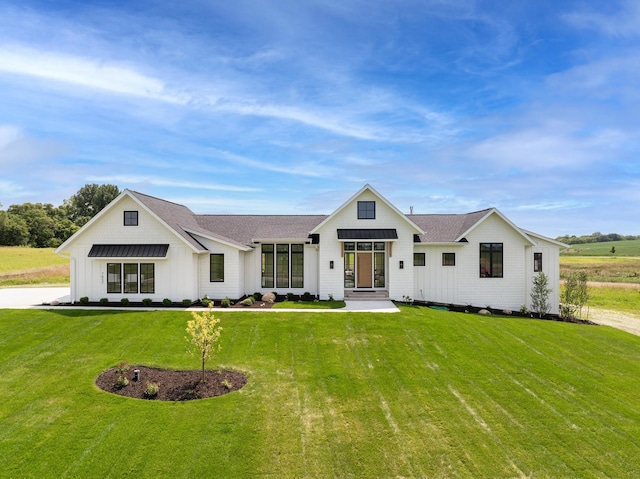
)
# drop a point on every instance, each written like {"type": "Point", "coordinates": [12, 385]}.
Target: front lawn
{"type": "Point", "coordinates": [421, 393]}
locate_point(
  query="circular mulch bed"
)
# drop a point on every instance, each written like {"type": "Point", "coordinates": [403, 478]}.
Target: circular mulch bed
{"type": "Point", "coordinates": [173, 385]}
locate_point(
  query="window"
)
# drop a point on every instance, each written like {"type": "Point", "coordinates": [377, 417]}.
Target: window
{"type": "Point", "coordinates": [297, 266]}
{"type": "Point", "coordinates": [114, 278]}
{"type": "Point", "coordinates": [124, 278]}
{"type": "Point", "coordinates": [366, 246]}
{"type": "Point", "coordinates": [147, 278]}
{"type": "Point", "coordinates": [267, 266]}
{"type": "Point", "coordinates": [419, 259]}
{"type": "Point", "coordinates": [366, 210]}
{"type": "Point", "coordinates": [131, 278]}
{"type": "Point", "coordinates": [349, 270]}
{"type": "Point", "coordinates": [216, 268]}
{"type": "Point", "coordinates": [491, 260]}
{"type": "Point", "coordinates": [282, 266]}
{"type": "Point", "coordinates": [131, 218]}
{"type": "Point", "coordinates": [537, 262]}
{"type": "Point", "coordinates": [448, 259]}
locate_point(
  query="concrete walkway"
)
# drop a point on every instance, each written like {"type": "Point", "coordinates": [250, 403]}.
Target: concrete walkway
{"type": "Point", "coordinates": [22, 298]}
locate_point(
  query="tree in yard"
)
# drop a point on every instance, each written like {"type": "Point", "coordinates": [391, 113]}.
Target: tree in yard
{"type": "Point", "coordinates": [574, 295]}
{"type": "Point", "coordinates": [540, 295]}
{"type": "Point", "coordinates": [203, 333]}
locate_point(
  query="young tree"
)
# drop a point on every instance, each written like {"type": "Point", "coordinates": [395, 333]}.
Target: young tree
{"type": "Point", "coordinates": [540, 295]}
{"type": "Point", "coordinates": [574, 295]}
{"type": "Point", "coordinates": [204, 333]}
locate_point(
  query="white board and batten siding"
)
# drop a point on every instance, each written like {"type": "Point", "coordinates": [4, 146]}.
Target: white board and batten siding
{"type": "Point", "coordinates": [175, 275]}
{"type": "Point", "coordinates": [399, 280]}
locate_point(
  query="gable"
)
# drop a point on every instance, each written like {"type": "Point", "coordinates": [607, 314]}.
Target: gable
{"type": "Point", "coordinates": [367, 210]}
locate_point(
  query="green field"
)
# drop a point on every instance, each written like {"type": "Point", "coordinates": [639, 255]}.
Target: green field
{"type": "Point", "coordinates": [625, 269]}
{"type": "Point", "coordinates": [623, 248]}
{"type": "Point", "coordinates": [421, 393]}
{"type": "Point", "coordinates": [25, 266]}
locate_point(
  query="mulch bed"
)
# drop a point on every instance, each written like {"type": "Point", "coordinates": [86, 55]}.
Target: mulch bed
{"type": "Point", "coordinates": [174, 385]}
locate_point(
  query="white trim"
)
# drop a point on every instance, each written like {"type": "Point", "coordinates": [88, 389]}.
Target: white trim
{"type": "Point", "coordinates": [369, 188]}
{"type": "Point", "coordinates": [495, 211]}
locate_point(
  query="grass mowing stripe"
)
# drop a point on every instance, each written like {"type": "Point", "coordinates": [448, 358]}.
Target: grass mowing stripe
{"type": "Point", "coordinates": [348, 395]}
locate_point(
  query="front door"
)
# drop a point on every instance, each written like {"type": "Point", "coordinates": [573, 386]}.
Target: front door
{"type": "Point", "coordinates": [364, 265]}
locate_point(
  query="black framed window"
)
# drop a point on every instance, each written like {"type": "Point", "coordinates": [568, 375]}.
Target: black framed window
{"type": "Point", "coordinates": [147, 278]}
{"type": "Point", "coordinates": [114, 278]}
{"type": "Point", "coordinates": [448, 259]}
{"type": "Point", "coordinates": [131, 218]}
{"type": "Point", "coordinates": [537, 262]}
{"type": "Point", "coordinates": [366, 210]}
{"type": "Point", "coordinates": [267, 265]}
{"type": "Point", "coordinates": [131, 277]}
{"type": "Point", "coordinates": [491, 260]}
{"type": "Point", "coordinates": [282, 266]}
{"type": "Point", "coordinates": [216, 268]}
{"type": "Point", "coordinates": [297, 266]}
{"type": "Point", "coordinates": [419, 259]}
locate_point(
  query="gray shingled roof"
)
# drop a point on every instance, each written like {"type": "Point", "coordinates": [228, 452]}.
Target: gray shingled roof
{"type": "Point", "coordinates": [446, 228]}
{"type": "Point", "coordinates": [246, 228]}
{"type": "Point", "coordinates": [242, 230]}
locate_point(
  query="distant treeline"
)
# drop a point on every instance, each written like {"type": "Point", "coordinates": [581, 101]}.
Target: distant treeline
{"type": "Point", "coordinates": [46, 226]}
{"type": "Point", "coordinates": [596, 237]}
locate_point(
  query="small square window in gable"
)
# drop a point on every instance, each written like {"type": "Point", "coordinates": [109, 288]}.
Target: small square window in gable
{"type": "Point", "coordinates": [131, 218]}
{"type": "Point", "coordinates": [366, 210]}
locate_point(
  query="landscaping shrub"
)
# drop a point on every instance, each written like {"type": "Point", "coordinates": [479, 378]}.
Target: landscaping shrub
{"type": "Point", "coordinates": [308, 296]}
{"type": "Point", "coordinates": [257, 296]}
{"type": "Point", "coordinates": [187, 302]}
{"type": "Point", "coordinates": [124, 301]}
{"type": "Point", "coordinates": [152, 390]}
{"type": "Point", "coordinates": [225, 303]}
{"type": "Point", "coordinates": [147, 301]}
{"type": "Point", "coordinates": [84, 300]}
{"type": "Point", "coordinates": [166, 302]}
{"type": "Point", "coordinates": [104, 300]}
{"type": "Point", "coordinates": [206, 302]}
{"type": "Point", "coordinates": [291, 297]}
{"type": "Point", "coordinates": [248, 302]}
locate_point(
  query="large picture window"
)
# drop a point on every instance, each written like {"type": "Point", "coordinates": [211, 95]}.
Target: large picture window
{"type": "Point", "coordinates": [283, 265]}
{"type": "Point", "coordinates": [366, 210]}
{"type": "Point", "coordinates": [216, 268]}
{"type": "Point", "coordinates": [267, 265]}
{"type": "Point", "coordinates": [114, 278]}
{"type": "Point", "coordinates": [297, 266]}
{"type": "Point", "coordinates": [491, 260]}
{"type": "Point", "coordinates": [147, 278]}
{"type": "Point", "coordinates": [131, 278]}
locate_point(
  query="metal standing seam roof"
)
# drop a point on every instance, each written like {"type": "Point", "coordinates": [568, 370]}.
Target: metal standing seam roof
{"type": "Point", "coordinates": [367, 234]}
{"type": "Point", "coordinates": [128, 251]}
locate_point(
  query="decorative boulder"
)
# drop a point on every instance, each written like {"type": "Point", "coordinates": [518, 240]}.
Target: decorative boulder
{"type": "Point", "coordinates": [269, 298]}
{"type": "Point", "coordinates": [486, 312]}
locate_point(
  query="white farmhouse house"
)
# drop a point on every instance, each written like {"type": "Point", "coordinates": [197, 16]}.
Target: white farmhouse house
{"type": "Point", "coordinates": [145, 247]}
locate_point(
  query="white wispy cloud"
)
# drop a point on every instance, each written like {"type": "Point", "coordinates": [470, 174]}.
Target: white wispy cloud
{"type": "Point", "coordinates": [84, 71]}
{"type": "Point", "coordinates": [623, 22]}
{"type": "Point", "coordinates": [155, 181]}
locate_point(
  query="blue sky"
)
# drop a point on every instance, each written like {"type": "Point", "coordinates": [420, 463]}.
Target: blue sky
{"type": "Point", "coordinates": [292, 106]}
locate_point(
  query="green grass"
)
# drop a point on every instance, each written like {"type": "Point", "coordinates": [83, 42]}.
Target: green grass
{"type": "Point", "coordinates": [617, 299]}
{"type": "Point", "coordinates": [623, 248]}
{"type": "Point", "coordinates": [421, 393]}
{"type": "Point", "coordinates": [309, 305]}
{"type": "Point", "coordinates": [24, 266]}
